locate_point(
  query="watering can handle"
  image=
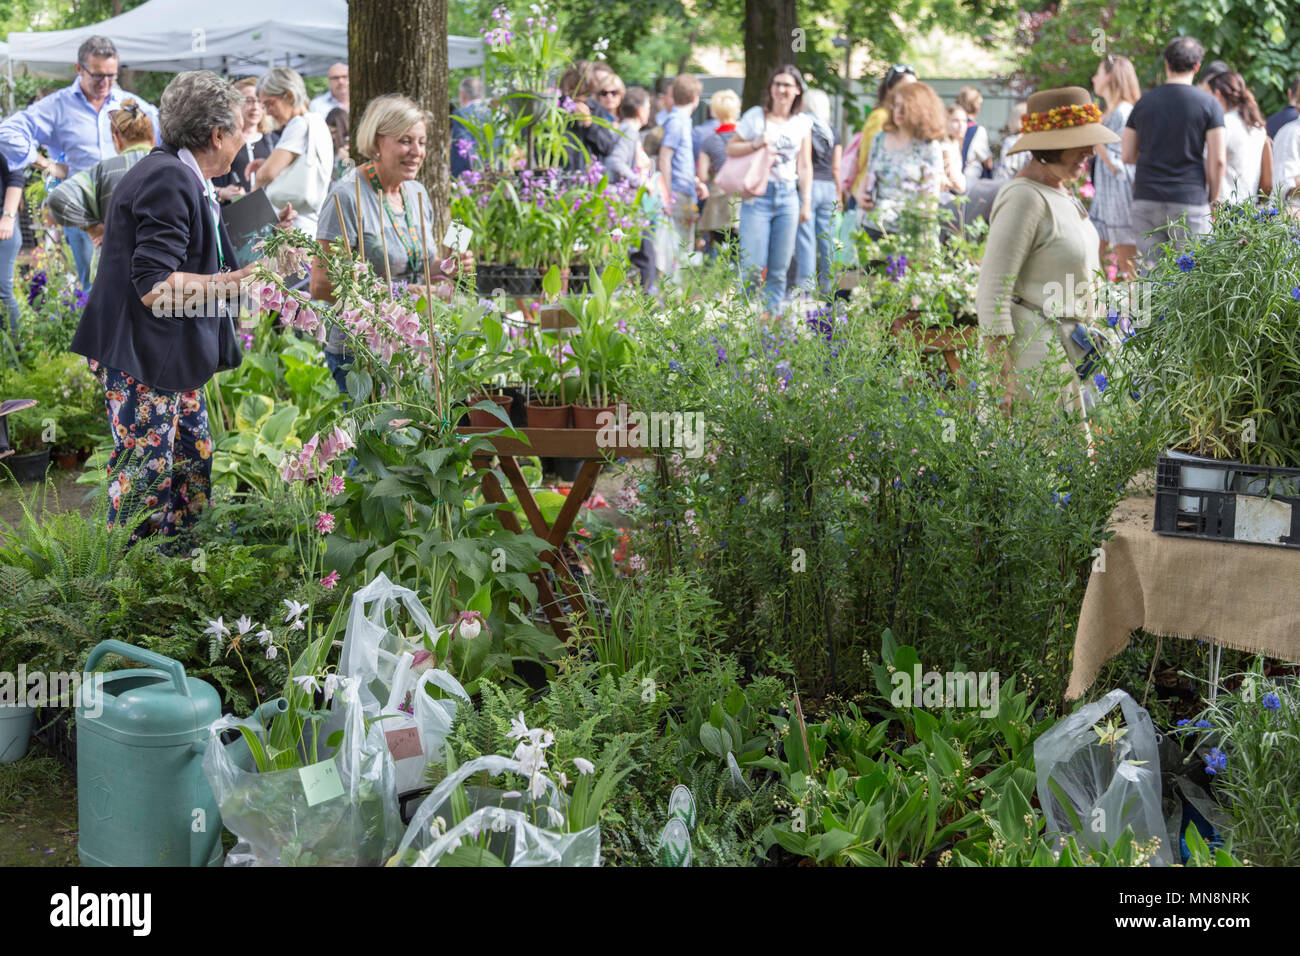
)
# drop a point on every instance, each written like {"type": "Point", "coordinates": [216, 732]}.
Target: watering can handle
{"type": "Point", "coordinates": [174, 669]}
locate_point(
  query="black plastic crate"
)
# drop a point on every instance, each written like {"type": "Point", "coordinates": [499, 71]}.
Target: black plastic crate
{"type": "Point", "coordinates": [1252, 508]}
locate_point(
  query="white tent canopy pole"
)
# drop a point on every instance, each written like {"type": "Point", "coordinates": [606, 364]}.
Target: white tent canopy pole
{"type": "Point", "coordinates": [247, 36]}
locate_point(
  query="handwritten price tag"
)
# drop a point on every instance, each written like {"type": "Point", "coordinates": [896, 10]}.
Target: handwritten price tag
{"type": "Point", "coordinates": [404, 743]}
{"type": "Point", "coordinates": [321, 782]}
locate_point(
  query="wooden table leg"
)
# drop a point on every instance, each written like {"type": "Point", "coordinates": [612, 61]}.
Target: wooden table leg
{"type": "Point", "coordinates": [559, 532]}
{"type": "Point", "coordinates": [493, 492]}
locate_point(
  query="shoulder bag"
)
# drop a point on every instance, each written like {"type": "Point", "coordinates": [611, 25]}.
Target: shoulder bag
{"type": "Point", "coordinates": [303, 184]}
{"type": "Point", "coordinates": [746, 175]}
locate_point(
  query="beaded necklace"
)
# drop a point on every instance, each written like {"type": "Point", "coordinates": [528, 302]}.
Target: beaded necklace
{"type": "Point", "coordinates": [406, 232]}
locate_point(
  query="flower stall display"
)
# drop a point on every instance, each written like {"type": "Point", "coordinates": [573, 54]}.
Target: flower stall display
{"type": "Point", "coordinates": [1213, 364]}
{"type": "Point", "coordinates": [411, 505]}
{"type": "Point", "coordinates": [526, 208]}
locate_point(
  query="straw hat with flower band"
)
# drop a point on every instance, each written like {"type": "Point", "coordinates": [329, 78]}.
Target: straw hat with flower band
{"type": "Point", "coordinates": [1066, 118]}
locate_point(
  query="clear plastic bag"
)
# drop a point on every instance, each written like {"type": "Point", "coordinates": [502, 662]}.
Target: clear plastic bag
{"type": "Point", "coordinates": [371, 650]}
{"type": "Point", "coordinates": [414, 724]}
{"type": "Point", "coordinates": [515, 838]}
{"type": "Point", "coordinates": [341, 811]}
{"type": "Point", "coordinates": [1093, 790]}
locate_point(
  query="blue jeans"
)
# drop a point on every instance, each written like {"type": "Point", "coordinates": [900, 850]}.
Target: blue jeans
{"type": "Point", "coordinates": [768, 226]}
{"type": "Point", "coordinates": [339, 364]}
{"type": "Point", "coordinates": [83, 251]}
{"type": "Point", "coordinates": [9, 249]}
{"type": "Point", "coordinates": [813, 252]}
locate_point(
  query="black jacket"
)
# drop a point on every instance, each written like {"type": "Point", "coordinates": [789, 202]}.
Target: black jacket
{"type": "Point", "coordinates": [158, 222]}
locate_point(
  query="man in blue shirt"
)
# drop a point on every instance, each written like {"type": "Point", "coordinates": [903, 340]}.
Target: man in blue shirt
{"type": "Point", "coordinates": [677, 166]}
{"type": "Point", "coordinates": [473, 108]}
{"type": "Point", "coordinates": [73, 123]}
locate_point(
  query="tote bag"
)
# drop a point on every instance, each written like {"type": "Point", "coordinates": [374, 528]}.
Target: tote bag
{"type": "Point", "coordinates": [746, 175]}
{"type": "Point", "coordinates": [305, 182]}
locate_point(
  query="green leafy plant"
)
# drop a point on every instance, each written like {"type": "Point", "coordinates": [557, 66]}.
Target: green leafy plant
{"type": "Point", "coordinates": [1254, 729]}
{"type": "Point", "coordinates": [1214, 368]}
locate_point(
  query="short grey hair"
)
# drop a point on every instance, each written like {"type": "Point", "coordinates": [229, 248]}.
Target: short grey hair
{"type": "Point", "coordinates": [97, 46]}
{"type": "Point", "coordinates": [194, 104]}
{"type": "Point", "coordinates": [471, 88]}
{"type": "Point", "coordinates": [280, 80]}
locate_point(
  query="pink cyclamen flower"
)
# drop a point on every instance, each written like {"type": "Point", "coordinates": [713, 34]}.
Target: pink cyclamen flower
{"type": "Point", "coordinates": [324, 522]}
{"type": "Point", "coordinates": [330, 580]}
{"type": "Point", "coordinates": [335, 486]}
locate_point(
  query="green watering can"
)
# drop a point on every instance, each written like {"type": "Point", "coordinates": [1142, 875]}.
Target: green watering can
{"type": "Point", "coordinates": [142, 799]}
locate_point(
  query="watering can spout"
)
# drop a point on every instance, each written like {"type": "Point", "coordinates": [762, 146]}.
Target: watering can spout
{"type": "Point", "coordinates": [270, 710]}
{"type": "Point", "coordinates": [263, 715]}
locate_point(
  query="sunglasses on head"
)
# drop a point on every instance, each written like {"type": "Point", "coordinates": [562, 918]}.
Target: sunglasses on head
{"type": "Point", "coordinates": [900, 69]}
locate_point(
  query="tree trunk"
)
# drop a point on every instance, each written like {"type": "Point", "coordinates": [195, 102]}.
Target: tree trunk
{"type": "Point", "coordinates": [770, 41]}
{"type": "Point", "coordinates": [400, 46]}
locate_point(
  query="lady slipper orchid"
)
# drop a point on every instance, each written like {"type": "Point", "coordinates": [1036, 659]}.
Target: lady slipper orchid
{"type": "Point", "coordinates": [423, 661]}
{"type": "Point", "coordinates": [469, 624]}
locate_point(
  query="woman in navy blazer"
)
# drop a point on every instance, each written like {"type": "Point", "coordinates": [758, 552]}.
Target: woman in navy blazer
{"type": "Point", "coordinates": [152, 319]}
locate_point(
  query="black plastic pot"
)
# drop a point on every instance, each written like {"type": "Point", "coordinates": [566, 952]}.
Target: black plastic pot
{"type": "Point", "coordinates": [510, 280]}
{"type": "Point", "coordinates": [28, 468]}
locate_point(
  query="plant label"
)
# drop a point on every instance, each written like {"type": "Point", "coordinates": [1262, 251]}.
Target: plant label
{"type": "Point", "coordinates": [458, 237]}
{"type": "Point", "coordinates": [404, 743]}
{"type": "Point", "coordinates": [1261, 519]}
{"type": "Point", "coordinates": [321, 782]}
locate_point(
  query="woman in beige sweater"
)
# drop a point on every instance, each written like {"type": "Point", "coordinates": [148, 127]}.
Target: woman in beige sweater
{"type": "Point", "coordinates": [1041, 260]}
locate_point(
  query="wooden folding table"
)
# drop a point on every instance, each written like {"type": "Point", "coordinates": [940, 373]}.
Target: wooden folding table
{"type": "Point", "coordinates": [548, 443]}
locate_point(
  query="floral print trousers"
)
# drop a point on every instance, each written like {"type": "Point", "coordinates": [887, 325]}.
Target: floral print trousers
{"type": "Point", "coordinates": [162, 452]}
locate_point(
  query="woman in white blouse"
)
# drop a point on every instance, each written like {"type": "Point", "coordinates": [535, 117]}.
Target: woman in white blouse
{"type": "Point", "coordinates": [1249, 169]}
{"type": "Point", "coordinates": [303, 159]}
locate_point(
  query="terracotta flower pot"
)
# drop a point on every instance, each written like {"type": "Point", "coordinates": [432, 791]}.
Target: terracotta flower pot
{"type": "Point", "coordinates": [482, 419]}
{"type": "Point", "coordinates": [549, 416]}
{"type": "Point", "coordinates": [585, 416]}
{"type": "Point", "coordinates": [67, 461]}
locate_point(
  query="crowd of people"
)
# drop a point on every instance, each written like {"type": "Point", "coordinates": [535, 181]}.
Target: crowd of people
{"type": "Point", "coordinates": [770, 184]}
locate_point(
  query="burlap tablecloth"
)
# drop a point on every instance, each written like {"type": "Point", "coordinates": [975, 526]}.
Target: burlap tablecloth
{"type": "Point", "coordinates": [1242, 596]}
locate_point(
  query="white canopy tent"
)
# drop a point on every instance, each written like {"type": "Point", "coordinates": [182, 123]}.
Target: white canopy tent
{"type": "Point", "coordinates": [228, 36]}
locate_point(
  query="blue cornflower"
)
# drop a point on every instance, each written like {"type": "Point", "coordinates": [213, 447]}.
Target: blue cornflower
{"type": "Point", "coordinates": [722, 357]}
{"type": "Point", "coordinates": [674, 366]}
{"type": "Point", "coordinates": [1186, 263]}
{"type": "Point", "coordinates": [1059, 498]}
{"type": "Point", "coordinates": [1271, 702]}
{"type": "Point", "coordinates": [1295, 293]}
{"type": "Point", "coordinates": [897, 266]}
{"type": "Point", "coordinates": [1203, 724]}
{"type": "Point", "coordinates": [1216, 760]}
{"type": "Point", "coordinates": [1100, 380]}
{"type": "Point", "coordinates": [1112, 317]}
